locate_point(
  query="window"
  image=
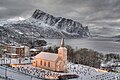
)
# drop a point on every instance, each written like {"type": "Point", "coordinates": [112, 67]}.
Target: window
{"type": "Point", "coordinates": [48, 64]}
{"type": "Point", "coordinates": [41, 62]}
{"type": "Point", "coordinates": [44, 63]}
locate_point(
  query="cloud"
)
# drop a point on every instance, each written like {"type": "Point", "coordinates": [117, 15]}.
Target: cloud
{"type": "Point", "coordinates": [14, 8]}
{"type": "Point", "coordinates": [2, 8]}
{"type": "Point", "coordinates": [105, 31]}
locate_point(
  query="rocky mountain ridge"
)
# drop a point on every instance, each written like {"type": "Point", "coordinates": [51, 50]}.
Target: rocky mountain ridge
{"type": "Point", "coordinates": [67, 26]}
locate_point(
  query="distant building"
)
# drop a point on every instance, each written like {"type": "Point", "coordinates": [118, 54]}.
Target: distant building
{"type": "Point", "coordinates": [34, 51]}
{"type": "Point", "coordinates": [52, 61]}
{"type": "Point", "coordinates": [113, 65]}
{"type": "Point", "coordinates": [19, 50]}
{"type": "Point", "coordinates": [12, 55]}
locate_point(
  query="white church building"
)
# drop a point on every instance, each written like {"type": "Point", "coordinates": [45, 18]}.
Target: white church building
{"type": "Point", "coordinates": [52, 61]}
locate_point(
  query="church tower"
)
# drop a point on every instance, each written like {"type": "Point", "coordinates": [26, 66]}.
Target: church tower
{"type": "Point", "coordinates": [62, 55]}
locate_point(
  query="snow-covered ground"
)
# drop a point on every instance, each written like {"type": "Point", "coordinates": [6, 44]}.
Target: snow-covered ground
{"type": "Point", "coordinates": [90, 73]}
{"type": "Point", "coordinates": [84, 72]}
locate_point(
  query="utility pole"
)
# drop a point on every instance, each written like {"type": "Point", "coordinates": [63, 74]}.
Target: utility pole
{"type": "Point", "coordinates": [6, 70]}
{"type": "Point", "coordinates": [32, 37]}
{"type": "Point", "coordinates": [20, 56]}
{"type": "Point", "coordinates": [1, 36]}
{"type": "Point", "coordinates": [32, 45]}
{"type": "Point", "coordinates": [31, 77]}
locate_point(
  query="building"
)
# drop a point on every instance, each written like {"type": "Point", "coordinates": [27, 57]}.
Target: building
{"type": "Point", "coordinates": [52, 61]}
{"type": "Point", "coordinates": [34, 51]}
{"type": "Point", "coordinates": [22, 51]}
{"type": "Point", "coordinates": [12, 55]}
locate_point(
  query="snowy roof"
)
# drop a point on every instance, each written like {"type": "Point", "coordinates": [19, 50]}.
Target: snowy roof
{"type": "Point", "coordinates": [34, 49]}
{"type": "Point", "coordinates": [47, 56]}
{"type": "Point", "coordinates": [4, 49]}
{"type": "Point", "coordinates": [18, 46]}
{"type": "Point", "coordinates": [12, 54]}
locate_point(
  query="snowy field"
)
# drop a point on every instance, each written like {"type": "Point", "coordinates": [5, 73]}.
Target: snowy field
{"type": "Point", "coordinates": [90, 73]}
{"type": "Point", "coordinates": [84, 72]}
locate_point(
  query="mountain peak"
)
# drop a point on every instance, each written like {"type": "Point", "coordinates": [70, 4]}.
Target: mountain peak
{"type": "Point", "coordinates": [58, 22]}
{"type": "Point", "coordinates": [37, 13]}
{"type": "Point", "coordinates": [67, 26]}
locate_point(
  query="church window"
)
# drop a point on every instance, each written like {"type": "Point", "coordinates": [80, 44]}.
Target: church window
{"type": "Point", "coordinates": [41, 62]}
{"type": "Point", "coordinates": [44, 63]}
{"type": "Point", "coordinates": [36, 63]}
{"type": "Point", "coordinates": [48, 64]}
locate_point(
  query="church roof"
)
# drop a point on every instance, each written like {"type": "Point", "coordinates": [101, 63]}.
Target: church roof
{"type": "Point", "coordinates": [47, 56]}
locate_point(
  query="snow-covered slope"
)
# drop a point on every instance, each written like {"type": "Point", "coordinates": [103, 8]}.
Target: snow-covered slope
{"type": "Point", "coordinates": [69, 27]}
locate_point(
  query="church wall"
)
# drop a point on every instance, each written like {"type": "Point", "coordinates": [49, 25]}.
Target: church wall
{"type": "Point", "coordinates": [62, 54]}
{"type": "Point", "coordinates": [52, 64]}
{"type": "Point", "coordinates": [33, 62]}
{"type": "Point", "coordinates": [45, 64]}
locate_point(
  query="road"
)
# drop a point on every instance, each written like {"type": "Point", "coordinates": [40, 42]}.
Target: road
{"type": "Point", "coordinates": [15, 75]}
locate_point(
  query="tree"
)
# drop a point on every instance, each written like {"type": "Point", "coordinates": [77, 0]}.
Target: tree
{"type": "Point", "coordinates": [88, 57]}
{"type": "Point", "coordinates": [70, 53]}
{"type": "Point", "coordinates": [112, 56]}
{"type": "Point", "coordinates": [1, 35]}
{"type": "Point", "coordinates": [1, 51]}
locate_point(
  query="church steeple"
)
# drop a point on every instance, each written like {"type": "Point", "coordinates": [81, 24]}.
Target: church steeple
{"type": "Point", "coordinates": [62, 42]}
{"type": "Point", "coordinates": [62, 56]}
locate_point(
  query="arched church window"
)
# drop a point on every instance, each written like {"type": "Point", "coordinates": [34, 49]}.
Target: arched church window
{"type": "Point", "coordinates": [48, 64]}
{"type": "Point", "coordinates": [41, 62]}
{"type": "Point", "coordinates": [44, 63]}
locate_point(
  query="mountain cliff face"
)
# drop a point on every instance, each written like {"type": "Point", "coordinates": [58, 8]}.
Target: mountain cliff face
{"type": "Point", "coordinates": [69, 27]}
{"type": "Point", "coordinates": [43, 25]}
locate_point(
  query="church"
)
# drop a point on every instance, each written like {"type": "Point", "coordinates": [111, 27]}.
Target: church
{"type": "Point", "coordinates": [52, 61]}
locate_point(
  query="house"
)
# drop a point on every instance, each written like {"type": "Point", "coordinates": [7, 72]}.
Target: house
{"type": "Point", "coordinates": [34, 51]}
{"type": "Point", "coordinates": [52, 61]}
{"type": "Point", "coordinates": [19, 50]}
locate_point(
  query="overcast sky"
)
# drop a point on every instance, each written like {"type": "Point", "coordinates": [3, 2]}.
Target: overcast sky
{"type": "Point", "coordinates": [101, 15]}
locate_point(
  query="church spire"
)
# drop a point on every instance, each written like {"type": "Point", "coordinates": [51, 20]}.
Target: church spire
{"type": "Point", "coordinates": [62, 42]}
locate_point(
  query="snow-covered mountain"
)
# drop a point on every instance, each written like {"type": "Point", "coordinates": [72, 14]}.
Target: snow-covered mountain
{"type": "Point", "coordinates": [70, 28]}
{"type": "Point", "coordinates": [44, 25]}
